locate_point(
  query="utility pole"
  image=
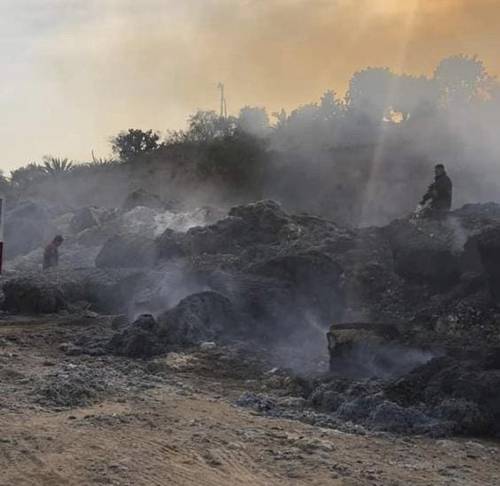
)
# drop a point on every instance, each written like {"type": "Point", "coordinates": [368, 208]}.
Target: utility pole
{"type": "Point", "coordinates": [223, 105]}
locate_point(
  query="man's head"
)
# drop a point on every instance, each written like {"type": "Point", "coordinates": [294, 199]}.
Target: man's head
{"type": "Point", "coordinates": [439, 170]}
{"type": "Point", "coordinates": [58, 240]}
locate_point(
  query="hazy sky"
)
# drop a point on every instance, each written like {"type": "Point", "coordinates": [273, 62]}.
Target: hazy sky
{"type": "Point", "coordinates": [75, 72]}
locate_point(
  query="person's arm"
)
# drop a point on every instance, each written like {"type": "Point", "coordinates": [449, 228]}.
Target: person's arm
{"type": "Point", "coordinates": [428, 195]}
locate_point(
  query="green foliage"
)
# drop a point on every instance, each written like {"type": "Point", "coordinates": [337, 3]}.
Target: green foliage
{"type": "Point", "coordinates": [206, 126]}
{"type": "Point", "coordinates": [25, 176]}
{"type": "Point", "coordinates": [254, 120]}
{"type": "Point", "coordinates": [414, 95]}
{"type": "Point", "coordinates": [236, 160]}
{"type": "Point", "coordinates": [55, 166]}
{"type": "Point", "coordinates": [100, 164]}
{"type": "Point", "coordinates": [134, 143]}
{"type": "Point", "coordinates": [369, 92]}
{"type": "Point", "coordinates": [236, 151]}
{"type": "Point", "coordinates": [203, 127]}
{"type": "Point", "coordinates": [330, 107]}
{"type": "Point", "coordinates": [4, 183]}
{"type": "Point", "coordinates": [460, 79]}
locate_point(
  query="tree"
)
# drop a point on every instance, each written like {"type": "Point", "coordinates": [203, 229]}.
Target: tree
{"type": "Point", "coordinates": [295, 129]}
{"type": "Point", "coordinates": [414, 95]}
{"type": "Point", "coordinates": [25, 176]}
{"type": "Point", "coordinates": [204, 126]}
{"type": "Point", "coordinates": [370, 92]}
{"type": "Point", "coordinates": [4, 183]}
{"type": "Point", "coordinates": [254, 120]}
{"type": "Point", "coordinates": [237, 161]}
{"type": "Point", "coordinates": [461, 79]}
{"type": "Point", "coordinates": [56, 166]}
{"type": "Point", "coordinates": [330, 107]}
{"type": "Point", "coordinates": [135, 142]}
{"type": "Point", "coordinates": [303, 123]}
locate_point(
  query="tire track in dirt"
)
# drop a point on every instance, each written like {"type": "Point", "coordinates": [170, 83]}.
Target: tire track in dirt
{"type": "Point", "coordinates": [186, 432]}
{"type": "Point", "coordinates": [37, 472]}
{"type": "Point", "coordinates": [168, 464]}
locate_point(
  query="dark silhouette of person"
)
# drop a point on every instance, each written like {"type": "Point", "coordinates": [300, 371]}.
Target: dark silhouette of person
{"type": "Point", "coordinates": [438, 195]}
{"type": "Point", "coordinates": [51, 253]}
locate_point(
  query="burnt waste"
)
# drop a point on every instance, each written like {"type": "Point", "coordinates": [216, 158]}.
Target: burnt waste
{"type": "Point", "coordinates": [392, 328]}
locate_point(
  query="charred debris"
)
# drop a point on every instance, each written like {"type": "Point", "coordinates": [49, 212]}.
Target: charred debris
{"type": "Point", "coordinates": [392, 328]}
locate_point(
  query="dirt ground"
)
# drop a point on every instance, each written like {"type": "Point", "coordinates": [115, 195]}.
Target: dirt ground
{"type": "Point", "coordinates": [173, 421]}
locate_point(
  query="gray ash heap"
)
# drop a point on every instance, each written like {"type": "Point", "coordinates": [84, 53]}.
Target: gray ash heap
{"type": "Point", "coordinates": [410, 308]}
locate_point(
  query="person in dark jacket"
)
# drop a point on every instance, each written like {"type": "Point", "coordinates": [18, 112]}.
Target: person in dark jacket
{"type": "Point", "coordinates": [437, 199]}
{"type": "Point", "coordinates": [51, 253]}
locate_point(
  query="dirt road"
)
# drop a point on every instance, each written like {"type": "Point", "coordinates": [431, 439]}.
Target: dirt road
{"type": "Point", "coordinates": [170, 423]}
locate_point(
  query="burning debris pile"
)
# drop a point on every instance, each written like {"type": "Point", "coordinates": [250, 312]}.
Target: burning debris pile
{"type": "Point", "coordinates": [414, 292]}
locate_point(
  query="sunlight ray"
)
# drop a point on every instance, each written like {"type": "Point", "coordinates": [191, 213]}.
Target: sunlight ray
{"type": "Point", "coordinates": [407, 27]}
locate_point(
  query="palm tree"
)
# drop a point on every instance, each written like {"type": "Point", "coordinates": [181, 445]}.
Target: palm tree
{"type": "Point", "coordinates": [56, 166]}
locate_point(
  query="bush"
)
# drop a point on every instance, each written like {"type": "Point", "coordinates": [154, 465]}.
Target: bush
{"type": "Point", "coordinates": [237, 161]}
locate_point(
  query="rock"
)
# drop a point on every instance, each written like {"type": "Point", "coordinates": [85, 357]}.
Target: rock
{"type": "Point", "coordinates": [127, 251]}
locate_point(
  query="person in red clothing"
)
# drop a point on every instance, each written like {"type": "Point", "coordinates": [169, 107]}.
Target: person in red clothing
{"type": "Point", "coordinates": [51, 253]}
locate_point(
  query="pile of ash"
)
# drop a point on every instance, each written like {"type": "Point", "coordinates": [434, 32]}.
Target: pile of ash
{"type": "Point", "coordinates": [261, 276]}
{"type": "Point", "coordinates": [74, 386]}
{"type": "Point", "coordinates": [446, 396]}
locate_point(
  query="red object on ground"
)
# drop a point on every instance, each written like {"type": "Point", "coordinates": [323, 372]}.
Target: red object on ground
{"type": "Point", "coordinates": [2, 210]}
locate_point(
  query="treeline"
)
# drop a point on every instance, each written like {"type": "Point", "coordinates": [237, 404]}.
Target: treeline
{"type": "Point", "coordinates": [363, 157]}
